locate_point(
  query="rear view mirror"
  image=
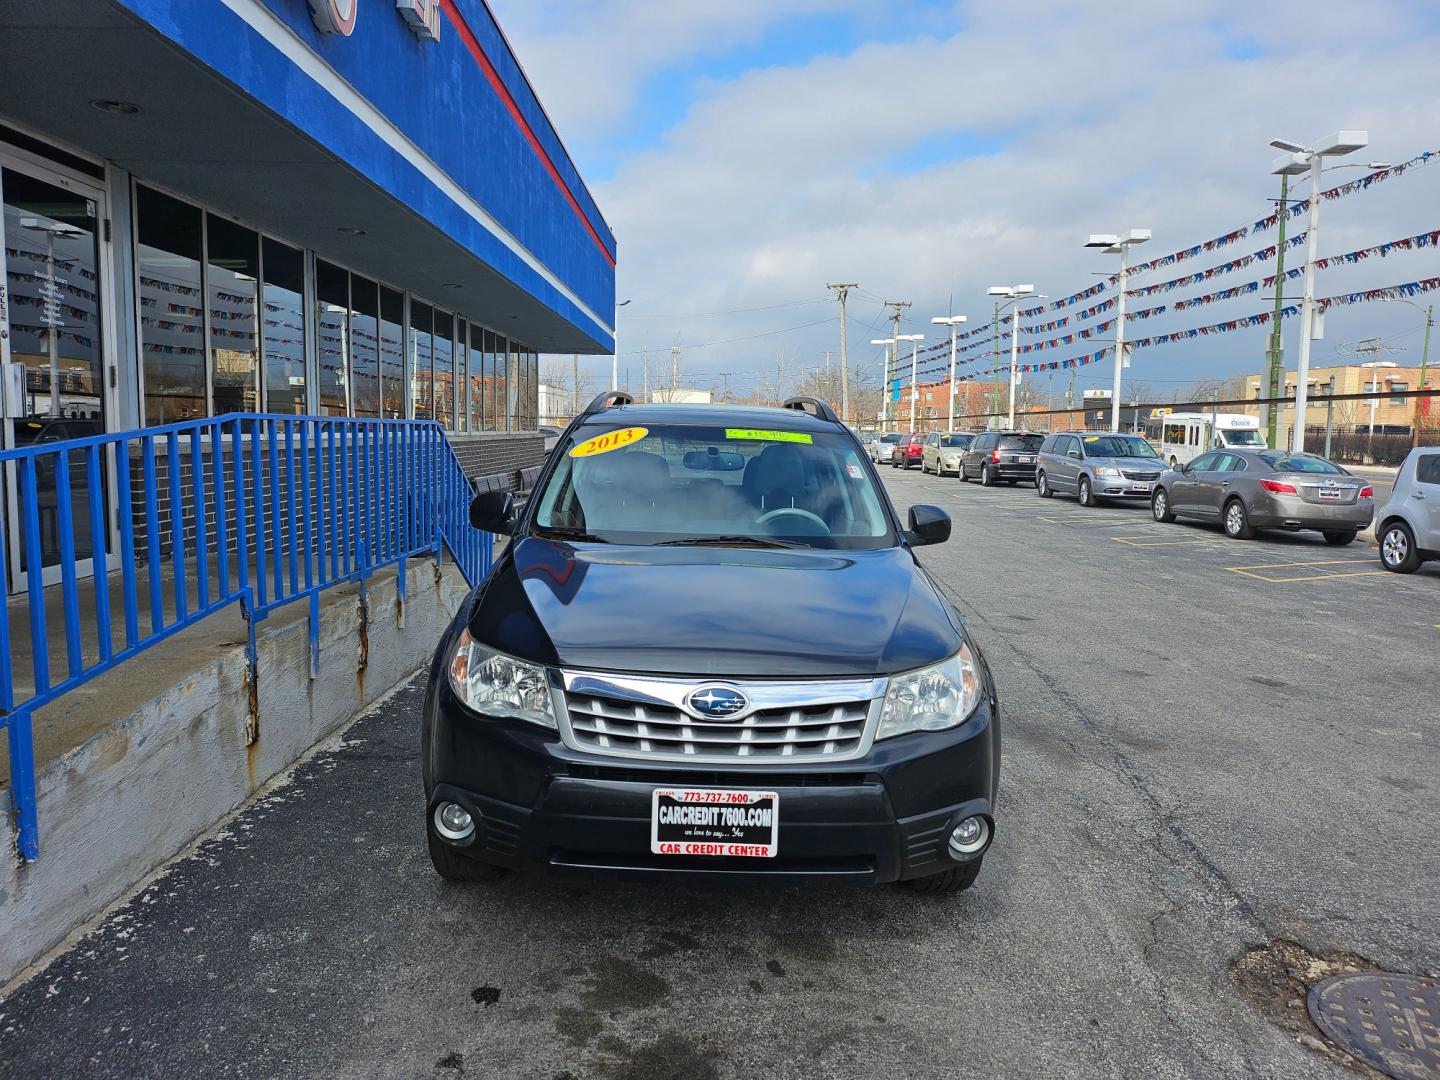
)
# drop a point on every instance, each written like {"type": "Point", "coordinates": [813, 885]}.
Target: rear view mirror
{"type": "Point", "coordinates": [493, 512]}
{"type": "Point", "coordinates": [928, 525]}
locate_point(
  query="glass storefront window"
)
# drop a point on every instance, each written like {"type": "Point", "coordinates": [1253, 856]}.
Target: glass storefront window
{"type": "Point", "coordinates": [232, 287]}
{"type": "Point", "coordinates": [477, 378]}
{"type": "Point", "coordinates": [172, 327]}
{"type": "Point", "coordinates": [514, 387]}
{"type": "Point", "coordinates": [492, 383]}
{"type": "Point", "coordinates": [421, 318]}
{"type": "Point", "coordinates": [444, 369]}
{"type": "Point", "coordinates": [392, 353]}
{"type": "Point", "coordinates": [283, 340]}
{"type": "Point", "coordinates": [332, 307]}
{"type": "Point", "coordinates": [462, 373]}
{"type": "Point", "coordinates": [365, 346]}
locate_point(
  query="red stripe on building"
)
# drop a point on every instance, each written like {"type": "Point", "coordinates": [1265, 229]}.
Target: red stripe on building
{"type": "Point", "coordinates": [463, 29]}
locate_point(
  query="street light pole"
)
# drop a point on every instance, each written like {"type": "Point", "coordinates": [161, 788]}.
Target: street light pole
{"type": "Point", "coordinates": [914, 340]}
{"type": "Point", "coordinates": [1298, 160]}
{"type": "Point", "coordinates": [952, 321]}
{"type": "Point", "coordinates": [1014, 294]}
{"type": "Point", "coordinates": [1113, 244]}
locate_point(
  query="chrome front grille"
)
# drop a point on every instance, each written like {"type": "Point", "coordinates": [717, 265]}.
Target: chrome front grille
{"type": "Point", "coordinates": [645, 719]}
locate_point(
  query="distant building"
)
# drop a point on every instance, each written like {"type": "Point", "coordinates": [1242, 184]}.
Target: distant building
{"type": "Point", "coordinates": [681, 396]}
{"type": "Point", "coordinates": [1391, 415]}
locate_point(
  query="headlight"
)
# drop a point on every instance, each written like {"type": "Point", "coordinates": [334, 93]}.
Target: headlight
{"type": "Point", "coordinates": [1106, 470]}
{"type": "Point", "coordinates": [498, 685]}
{"type": "Point", "coordinates": [932, 698]}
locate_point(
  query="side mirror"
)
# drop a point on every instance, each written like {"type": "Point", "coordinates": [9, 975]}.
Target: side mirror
{"type": "Point", "coordinates": [493, 511]}
{"type": "Point", "coordinates": [928, 525]}
{"type": "Point", "coordinates": [1073, 453]}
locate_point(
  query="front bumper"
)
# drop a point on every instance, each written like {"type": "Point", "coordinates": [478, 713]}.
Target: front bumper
{"type": "Point", "coordinates": [885, 816]}
{"type": "Point", "coordinates": [1121, 487]}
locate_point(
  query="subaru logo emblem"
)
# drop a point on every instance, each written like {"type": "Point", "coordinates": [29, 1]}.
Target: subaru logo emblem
{"type": "Point", "coordinates": [717, 703]}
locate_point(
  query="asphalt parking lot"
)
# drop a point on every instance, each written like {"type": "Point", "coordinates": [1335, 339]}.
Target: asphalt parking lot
{"type": "Point", "coordinates": [1220, 781]}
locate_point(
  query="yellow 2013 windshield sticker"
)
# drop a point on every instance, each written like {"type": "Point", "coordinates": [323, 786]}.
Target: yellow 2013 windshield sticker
{"type": "Point", "coordinates": [768, 436]}
{"type": "Point", "coordinates": [611, 440]}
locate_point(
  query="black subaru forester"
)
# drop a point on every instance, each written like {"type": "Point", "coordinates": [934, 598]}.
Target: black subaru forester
{"type": "Point", "coordinates": [709, 648]}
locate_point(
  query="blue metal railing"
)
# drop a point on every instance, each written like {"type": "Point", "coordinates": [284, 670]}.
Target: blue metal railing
{"type": "Point", "coordinates": [245, 508]}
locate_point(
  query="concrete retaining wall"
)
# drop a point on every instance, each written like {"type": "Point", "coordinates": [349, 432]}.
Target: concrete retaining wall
{"type": "Point", "coordinates": [118, 806]}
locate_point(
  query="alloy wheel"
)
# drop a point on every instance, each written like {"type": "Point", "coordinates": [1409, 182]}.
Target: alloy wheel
{"type": "Point", "coordinates": [1395, 547]}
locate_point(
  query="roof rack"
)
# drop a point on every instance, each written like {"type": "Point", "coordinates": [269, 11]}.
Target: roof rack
{"type": "Point", "coordinates": [813, 406]}
{"type": "Point", "coordinates": [608, 400]}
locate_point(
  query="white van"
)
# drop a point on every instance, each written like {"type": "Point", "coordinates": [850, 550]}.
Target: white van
{"type": "Point", "coordinates": [1178, 437]}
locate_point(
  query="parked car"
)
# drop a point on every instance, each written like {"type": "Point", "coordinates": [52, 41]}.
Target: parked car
{"type": "Point", "coordinates": [709, 648]}
{"type": "Point", "coordinates": [910, 450]}
{"type": "Point", "coordinates": [1409, 529]}
{"type": "Point", "coordinates": [942, 451]}
{"type": "Point", "coordinates": [993, 456]}
{"type": "Point", "coordinates": [881, 444]}
{"type": "Point", "coordinates": [1245, 490]}
{"type": "Point", "coordinates": [551, 436]}
{"type": "Point", "coordinates": [1095, 465]}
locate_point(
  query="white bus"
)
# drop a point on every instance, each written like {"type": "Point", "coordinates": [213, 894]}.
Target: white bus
{"type": "Point", "coordinates": [1178, 437]}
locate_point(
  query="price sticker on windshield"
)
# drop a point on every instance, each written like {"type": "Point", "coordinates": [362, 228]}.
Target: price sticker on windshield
{"type": "Point", "coordinates": [756, 435]}
{"type": "Point", "coordinates": [611, 440]}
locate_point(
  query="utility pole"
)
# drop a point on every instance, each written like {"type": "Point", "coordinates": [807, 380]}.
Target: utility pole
{"type": "Point", "coordinates": [1276, 352]}
{"type": "Point", "coordinates": [899, 307]}
{"type": "Point", "coordinates": [674, 369]}
{"type": "Point", "coordinates": [724, 377]}
{"type": "Point", "coordinates": [842, 291]}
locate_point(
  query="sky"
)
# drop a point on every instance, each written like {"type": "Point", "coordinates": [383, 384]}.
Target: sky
{"type": "Point", "coordinates": [746, 154]}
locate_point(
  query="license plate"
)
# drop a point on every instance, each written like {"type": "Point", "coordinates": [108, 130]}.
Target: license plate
{"type": "Point", "coordinates": [1143, 485]}
{"type": "Point", "coordinates": [706, 821]}
{"type": "Point", "coordinates": [1025, 459]}
{"type": "Point", "coordinates": [1333, 494]}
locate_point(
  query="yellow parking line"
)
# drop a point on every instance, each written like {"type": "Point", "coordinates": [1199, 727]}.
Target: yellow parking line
{"type": "Point", "coordinates": [1317, 562]}
{"type": "Point", "coordinates": [1316, 575]}
{"type": "Point", "coordinates": [1160, 543]}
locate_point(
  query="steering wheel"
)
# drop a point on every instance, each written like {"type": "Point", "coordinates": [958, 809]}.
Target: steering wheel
{"type": "Point", "coordinates": [815, 519]}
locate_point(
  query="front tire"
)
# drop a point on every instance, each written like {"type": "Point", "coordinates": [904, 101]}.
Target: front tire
{"type": "Point", "coordinates": [1087, 496]}
{"type": "Point", "coordinates": [1042, 487]}
{"type": "Point", "coordinates": [1340, 537]}
{"type": "Point", "coordinates": [946, 883]}
{"type": "Point", "coordinates": [1160, 506]}
{"type": "Point", "coordinates": [1237, 521]}
{"type": "Point", "coordinates": [455, 867]}
{"type": "Point", "coordinates": [1397, 549]}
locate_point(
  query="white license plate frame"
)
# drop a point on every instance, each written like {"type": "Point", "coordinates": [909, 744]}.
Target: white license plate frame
{"type": "Point", "coordinates": [719, 828]}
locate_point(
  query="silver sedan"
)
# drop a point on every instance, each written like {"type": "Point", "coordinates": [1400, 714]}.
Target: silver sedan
{"type": "Point", "coordinates": [1245, 490]}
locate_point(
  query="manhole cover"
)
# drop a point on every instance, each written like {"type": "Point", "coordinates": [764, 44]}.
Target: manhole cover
{"type": "Point", "coordinates": [1387, 1021]}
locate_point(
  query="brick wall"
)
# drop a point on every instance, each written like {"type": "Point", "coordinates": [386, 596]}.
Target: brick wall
{"type": "Point", "coordinates": [485, 454]}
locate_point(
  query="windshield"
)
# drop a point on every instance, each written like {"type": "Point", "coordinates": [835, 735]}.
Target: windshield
{"type": "Point", "coordinates": [1118, 446]}
{"type": "Point", "coordinates": [1020, 442]}
{"type": "Point", "coordinates": [1303, 463]}
{"type": "Point", "coordinates": [956, 440]}
{"type": "Point", "coordinates": [679, 483]}
{"type": "Point", "coordinates": [890, 437]}
{"type": "Point", "coordinates": [1242, 437]}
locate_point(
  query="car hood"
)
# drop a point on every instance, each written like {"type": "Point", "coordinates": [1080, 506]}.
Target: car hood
{"type": "Point", "coordinates": [740, 612]}
{"type": "Point", "coordinates": [1138, 464]}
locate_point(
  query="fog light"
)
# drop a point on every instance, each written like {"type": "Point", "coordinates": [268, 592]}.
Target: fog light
{"type": "Point", "coordinates": [969, 838]}
{"type": "Point", "coordinates": [453, 821]}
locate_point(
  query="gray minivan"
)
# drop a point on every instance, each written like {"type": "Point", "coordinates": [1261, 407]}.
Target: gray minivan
{"type": "Point", "coordinates": [1095, 465]}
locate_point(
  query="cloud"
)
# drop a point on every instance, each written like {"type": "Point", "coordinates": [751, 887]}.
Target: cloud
{"type": "Point", "coordinates": [981, 148]}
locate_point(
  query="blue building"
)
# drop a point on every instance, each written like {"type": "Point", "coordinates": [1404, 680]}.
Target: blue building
{"type": "Point", "coordinates": [309, 207]}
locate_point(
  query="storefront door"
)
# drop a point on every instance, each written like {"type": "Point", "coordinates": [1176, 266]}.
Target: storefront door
{"type": "Point", "coordinates": [55, 342]}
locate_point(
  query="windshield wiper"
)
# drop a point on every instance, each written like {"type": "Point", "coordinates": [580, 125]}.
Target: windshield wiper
{"type": "Point", "coordinates": [578, 535]}
{"type": "Point", "coordinates": [731, 541]}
